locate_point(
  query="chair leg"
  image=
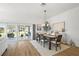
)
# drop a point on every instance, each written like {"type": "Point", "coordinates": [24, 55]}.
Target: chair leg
{"type": "Point", "coordinates": [41, 43]}
{"type": "Point", "coordinates": [56, 47]}
{"type": "Point", "coordinates": [44, 44]}
{"type": "Point", "coordinates": [60, 47]}
{"type": "Point", "coordinates": [37, 40]}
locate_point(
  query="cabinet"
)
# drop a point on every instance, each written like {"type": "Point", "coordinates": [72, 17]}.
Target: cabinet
{"type": "Point", "coordinates": [3, 46]}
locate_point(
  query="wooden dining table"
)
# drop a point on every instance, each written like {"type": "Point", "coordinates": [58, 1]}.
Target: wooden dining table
{"type": "Point", "coordinates": [50, 38]}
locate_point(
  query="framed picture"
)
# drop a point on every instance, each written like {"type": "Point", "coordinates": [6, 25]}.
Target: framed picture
{"type": "Point", "coordinates": [39, 28]}
{"type": "Point", "coordinates": [59, 26]}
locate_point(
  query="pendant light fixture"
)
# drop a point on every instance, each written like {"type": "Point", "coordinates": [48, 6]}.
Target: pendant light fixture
{"type": "Point", "coordinates": [46, 25]}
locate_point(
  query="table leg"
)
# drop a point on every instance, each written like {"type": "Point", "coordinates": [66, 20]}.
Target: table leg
{"type": "Point", "coordinates": [49, 44]}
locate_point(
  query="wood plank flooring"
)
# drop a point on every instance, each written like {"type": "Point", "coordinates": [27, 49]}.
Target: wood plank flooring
{"type": "Point", "coordinates": [72, 51]}
{"type": "Point", "coordinates": [21, 48]}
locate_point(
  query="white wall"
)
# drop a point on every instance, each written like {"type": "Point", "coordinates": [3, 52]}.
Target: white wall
{"type": "Point", "coordinates": [3, 41]}
{"type": "Point", "coordinates": [71, 19]}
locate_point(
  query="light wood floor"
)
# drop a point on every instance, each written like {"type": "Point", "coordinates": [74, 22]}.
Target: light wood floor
{"type": "Point", "coordinates": [72, 51]}
{"type": "Point", "coordinates": [21, 48]}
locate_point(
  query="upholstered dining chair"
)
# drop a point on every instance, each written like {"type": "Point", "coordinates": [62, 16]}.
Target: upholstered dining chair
{"type": "Point", "coordinates": [37, 36]}
{"type": "Point", "coordinates": [57, 42]}
{"type": "Point", "coordinates": [43, 40]}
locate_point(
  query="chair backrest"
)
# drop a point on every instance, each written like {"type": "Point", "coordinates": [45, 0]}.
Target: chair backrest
{"type": "Point", "coordinates": [59, 38]}
{"type": "Point", "coordinates": [41, 36]}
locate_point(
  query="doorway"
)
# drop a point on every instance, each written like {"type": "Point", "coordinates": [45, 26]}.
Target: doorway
{"type": "Point", "coordinates": [24, 32]}
{"type": "Point", "coordinates": [18, 32]}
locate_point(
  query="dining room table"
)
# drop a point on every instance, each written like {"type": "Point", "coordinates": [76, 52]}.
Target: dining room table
{"type": "Point", "coordinates": [50, 38]}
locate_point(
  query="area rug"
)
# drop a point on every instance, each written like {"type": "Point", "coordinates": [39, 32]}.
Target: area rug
{"type": "Point", "coordinates": [44, 51]}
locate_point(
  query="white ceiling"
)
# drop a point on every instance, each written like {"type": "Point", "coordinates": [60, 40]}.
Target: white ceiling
{"type": "Point", "coordinates": [21, 12]}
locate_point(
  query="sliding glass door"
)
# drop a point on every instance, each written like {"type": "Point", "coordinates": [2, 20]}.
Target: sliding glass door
{"type": "Point", "coordinates": [18, 32]}
{"type": "Point", "coordinates": [12, 31]}
{"type": "Point", "coordinates": [23, 32]}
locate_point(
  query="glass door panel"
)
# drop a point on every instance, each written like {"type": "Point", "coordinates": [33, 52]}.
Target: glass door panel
{"type": "Point", "coordinates": [24, 32]}
{"type": "Point", "coordinates": [12, 31]}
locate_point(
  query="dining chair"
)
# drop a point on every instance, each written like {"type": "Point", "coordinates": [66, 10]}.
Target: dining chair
{"type": "Point", "coordinates": [57, 42]}
{"type": "Point", "coordinates": [43, 40]}
{"type": "Point", "coordinates": [37, 37]}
